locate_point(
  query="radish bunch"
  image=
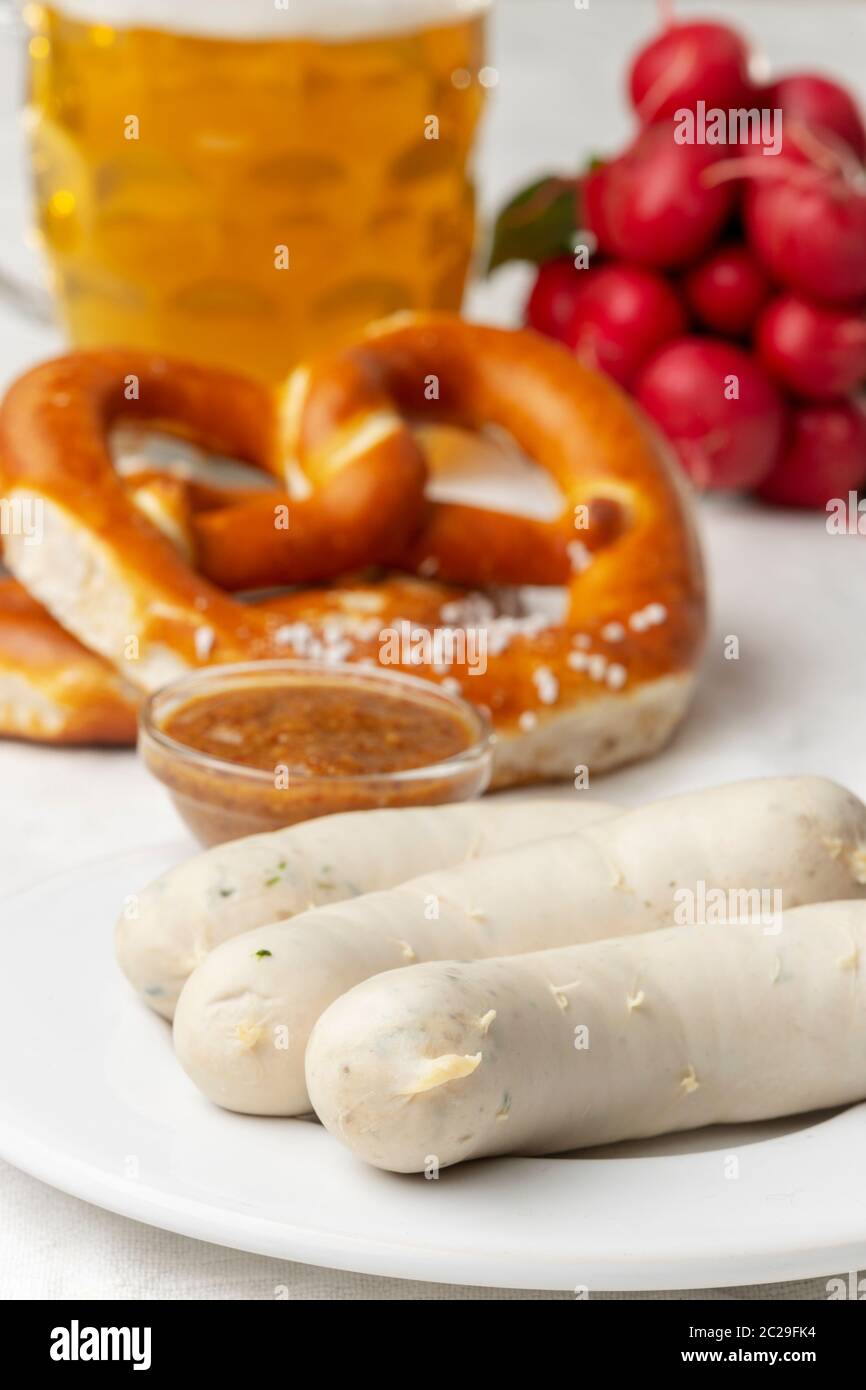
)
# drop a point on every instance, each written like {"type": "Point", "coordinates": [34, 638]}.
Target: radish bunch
{"type": "Point", "coordinates": [724, 285]}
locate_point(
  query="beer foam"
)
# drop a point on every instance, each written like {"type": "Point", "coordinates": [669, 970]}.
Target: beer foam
{"type": "Point", "coordinates": [247, 19]}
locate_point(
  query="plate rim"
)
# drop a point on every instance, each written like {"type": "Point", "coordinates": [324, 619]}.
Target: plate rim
{"type": "Point", "coordinates": [674, 1268]}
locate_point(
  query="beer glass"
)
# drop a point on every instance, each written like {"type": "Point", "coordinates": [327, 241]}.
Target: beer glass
{"type": "Point", "coordinates": [246, 182]}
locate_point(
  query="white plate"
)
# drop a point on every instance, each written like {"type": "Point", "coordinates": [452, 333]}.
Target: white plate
{"type": "Point", "coordinates": [91, 1101]}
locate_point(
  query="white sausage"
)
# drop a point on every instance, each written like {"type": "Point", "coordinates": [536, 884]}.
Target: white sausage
{"type": "Point", "coordinates": [173, 923]}
{"type": "Point", "coordinates": [620, 1039]}
{"type": "Point", "coordinates": [244, 1017]}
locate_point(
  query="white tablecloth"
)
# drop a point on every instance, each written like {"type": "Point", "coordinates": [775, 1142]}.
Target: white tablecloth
{"type": "Point", "coordinates": [791, 593]}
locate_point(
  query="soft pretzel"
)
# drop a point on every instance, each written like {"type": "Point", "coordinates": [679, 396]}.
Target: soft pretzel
{"type": "Point", "coordinates": [599, 684]}
{"type": "Point", "coordinates": [105, 571]}
{"type": "Point", "coordinates": [435, 369]}
{"type": "Point", "coordinates": [51, 688]}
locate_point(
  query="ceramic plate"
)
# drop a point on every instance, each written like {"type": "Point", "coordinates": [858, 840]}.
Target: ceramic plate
{"type": "Point", "coordinates": [91, 1101]}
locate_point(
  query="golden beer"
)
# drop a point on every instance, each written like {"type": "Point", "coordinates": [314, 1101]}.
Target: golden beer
{"type": "Point", "coordinates": [246, 198]}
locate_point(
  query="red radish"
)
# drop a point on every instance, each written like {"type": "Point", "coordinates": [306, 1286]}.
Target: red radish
{"type": "Point", "coordinates": [808, 228]}
{"type": "Point", "coordinates": [620, 317]}
{"type": "Point", "coordinates": [550, 307]}
{"type": "Point", "coordinates": [817, 352]}
{"type": "Point", "coordinates": [805, 158]}
{"type": "Point", "coordinates": [592, 191]}
{"type": "Point", "coordinates": [719, 409]}
{"type": "Point", "coordinates": [824, 457]}
{"type": "Point", "coordinates": [728, 290]}
{"type": "Point", "coordinates": [821, 104]}
{"type": "Point", "coordinates": [688, 63]}
{"type": "Point", "coordinates": [785, 144]}
{"type": "Point", "coordinates": [652, 205]}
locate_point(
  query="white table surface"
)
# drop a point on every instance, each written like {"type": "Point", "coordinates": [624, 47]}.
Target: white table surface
{"type": "Point", "coordinates": [793, 595]}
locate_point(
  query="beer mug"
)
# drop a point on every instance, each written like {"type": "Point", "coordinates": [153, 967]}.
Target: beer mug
{"type": "Point", "coordinates": [246, 182]}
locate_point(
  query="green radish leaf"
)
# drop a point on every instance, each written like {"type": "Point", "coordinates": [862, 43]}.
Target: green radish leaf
{"type": "Point", "coordinates": [538, 224]}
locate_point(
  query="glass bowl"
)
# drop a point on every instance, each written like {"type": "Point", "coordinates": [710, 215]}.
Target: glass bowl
{"type": "Point", "coordinates": [223, 798]}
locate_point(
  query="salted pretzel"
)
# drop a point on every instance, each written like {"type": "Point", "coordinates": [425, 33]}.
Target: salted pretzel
{"type": "Point", "coordinates": [430, 369]}
{"type": "Point", "coordinates": [601, 681]}
{"type": "Point", "coordinates": [111, 576]}
{"type": "Point", "coordinates": [51, 688]}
